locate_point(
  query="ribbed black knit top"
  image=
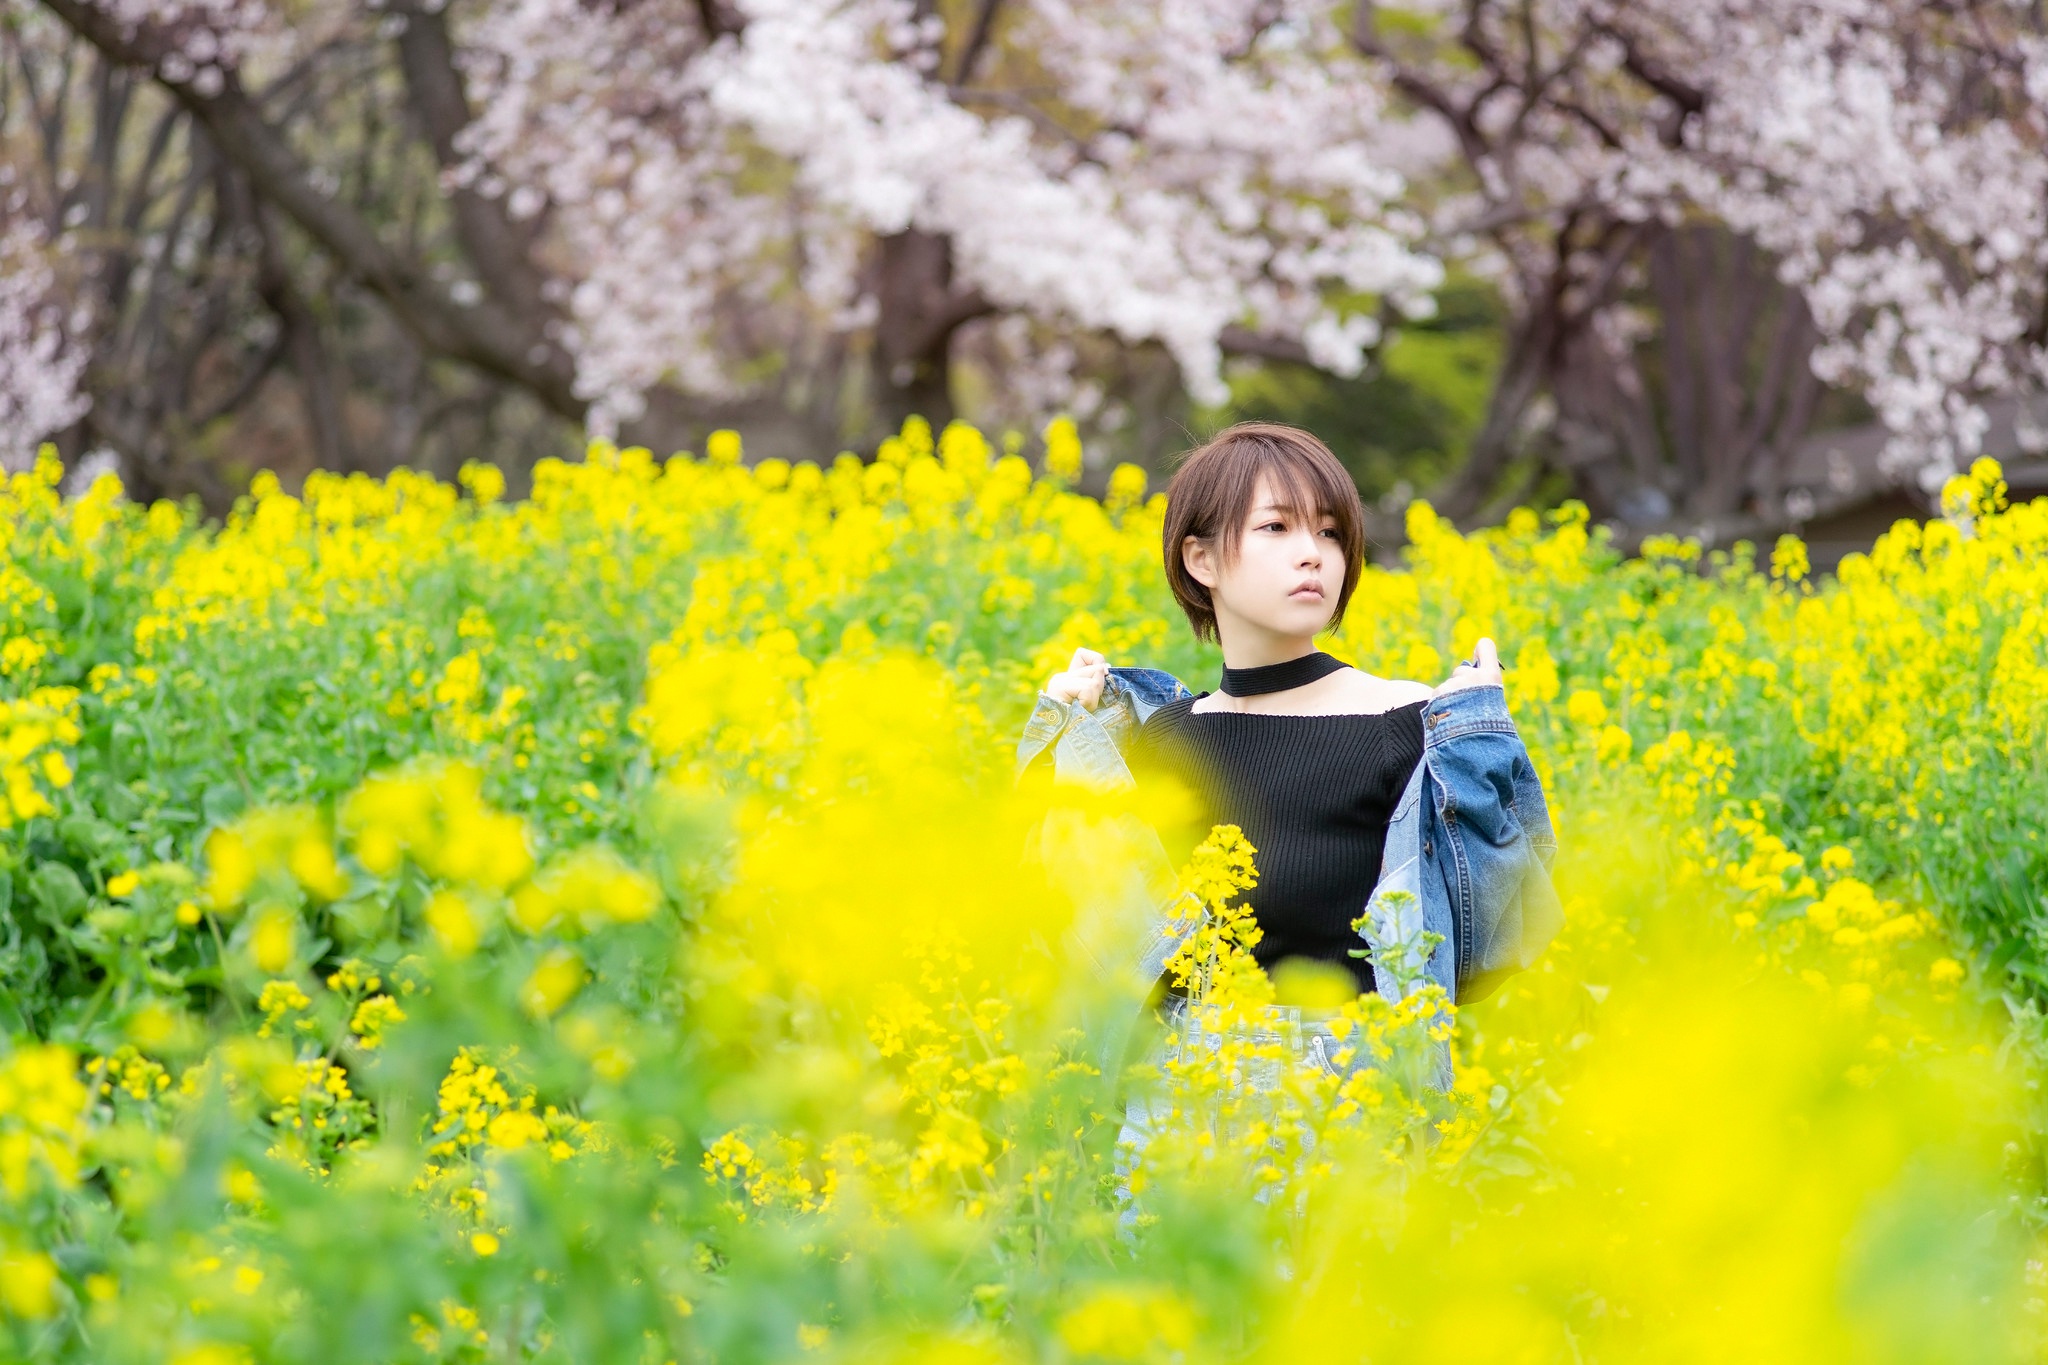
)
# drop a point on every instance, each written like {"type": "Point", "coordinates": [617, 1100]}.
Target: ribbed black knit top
{"type": "Point", "coordinates": [1313, 795]}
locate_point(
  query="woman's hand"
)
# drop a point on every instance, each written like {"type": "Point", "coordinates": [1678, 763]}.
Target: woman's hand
{"type": "Point", "coordinates": [1481, 670]}
{"type": "Point", "coordinates": [1082, 681]}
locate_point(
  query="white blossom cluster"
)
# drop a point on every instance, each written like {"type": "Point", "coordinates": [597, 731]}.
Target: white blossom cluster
{"type": "Point", "coordinates": [1887, 153]}
{"type": "Point", "coordinates": [1891, 154]}
{"type": "Point", "coordinates": [1185, 167]}
{"type": "Point", "coordinates": [40, 362]}
{"type": "Point", "coordinates": [601, 119]}
{"type": "Point", "coordinates": [708, 203]}
{"type": "Point", "coordinates": [209, 38]}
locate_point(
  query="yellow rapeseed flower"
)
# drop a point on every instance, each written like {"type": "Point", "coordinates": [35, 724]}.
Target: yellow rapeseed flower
{"type": "Point", "coordinates": [28, 1284]}
{"type": "Point", "coordinates": [454, 922]}
{"type": "Point", "coordinates": [1586, 708]}
{"type": "Point", "coordinates": [1128, 1322]}
{"type": "Point", "coordinates": [554, 980]}
{"type": "Point", "coordinates": [514, 1129]}
{"type": "Point", "coordinates": [273, 938]}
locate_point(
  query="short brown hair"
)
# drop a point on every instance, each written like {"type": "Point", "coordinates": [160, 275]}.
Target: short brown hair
{"type": "Point", "coordinates": [1212, 490]}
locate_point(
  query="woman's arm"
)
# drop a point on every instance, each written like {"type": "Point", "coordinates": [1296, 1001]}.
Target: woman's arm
{"type": "Point", "coordinates": [1077, 687]}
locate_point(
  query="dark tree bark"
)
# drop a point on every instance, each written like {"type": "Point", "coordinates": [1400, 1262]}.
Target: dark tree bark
{"type": "Point", "coordinates": [497, 247]}
{"type": "Point", "coordinates": [978, 39]}
{"type": "Point", "coordinates": [494, 335]}
{"type": "Point", "coordinates": [157, 265]}
{"type": "Point", "coordinates": [1525, 371]}
{"type": "Point", "coordinates": [920, 312]}
{"type": "Point", "coordinates": [1734, 359]}
{"type": "Point", "coordinates": [301, 334]}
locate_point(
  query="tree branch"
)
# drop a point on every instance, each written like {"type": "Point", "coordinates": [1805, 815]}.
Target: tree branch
{"type": "Point", "coordinates": [245, 387]}
{"type": "Point", "coordinates": [1689, 100]}
{"type": "Point", "coordinates": [717, 20]}
{"type": "Point", "coordinates": [1236, 340]}
{"type": "Point", "coordinates": [498, 248]}
{"type": "Point", "coordinates": [487, 336]}
{"type": "Point", "coordinates": [1417, 87]}
{"type": "Point", "coordinates": [300, 331]}
{"type": "Point", "coordinates": [978, 39]}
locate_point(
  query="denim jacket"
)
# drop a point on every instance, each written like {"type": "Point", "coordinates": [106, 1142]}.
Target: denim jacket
{"type": "Point", "coordinates": [1470, 839]}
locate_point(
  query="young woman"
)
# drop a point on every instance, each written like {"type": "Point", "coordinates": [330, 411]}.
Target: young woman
{"type": "Point", "coordinates": [1350, 786]}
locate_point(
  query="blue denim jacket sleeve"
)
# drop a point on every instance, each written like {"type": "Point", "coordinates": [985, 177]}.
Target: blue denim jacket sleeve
{"type": "Point", "coordinates": [1088, 746]}
{"type": "Point", "coordinates": [1487, 830]}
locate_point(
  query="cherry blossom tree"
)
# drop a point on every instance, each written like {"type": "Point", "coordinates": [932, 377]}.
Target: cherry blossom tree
{"type": "Point", "coordinates": [1631, 364]}
{"type": "Point", "coordinates": [806, 217]}
{"type": "Point", "coordinates": [217, 333]}
{"type": "Point", "coordinates": [695, 203]}
{"type": "Point", "coordinates": [1701, 213]}
{"type": "Point", "coordinates": [1208, 175]}
{"type": "Point", "coordinates": [1890, 155]}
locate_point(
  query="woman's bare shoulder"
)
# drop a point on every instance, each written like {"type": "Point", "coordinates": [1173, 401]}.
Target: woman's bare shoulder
{"type": "Point", "coordinates": [1373, 693]}
{"type": "Point", "coordinates": [1408, 689]}
{"type": "Point", "coordinates": [1403, 690]}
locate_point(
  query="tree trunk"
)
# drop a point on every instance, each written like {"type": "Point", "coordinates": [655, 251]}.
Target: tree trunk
{"type": "Point", "coordinates": [307, 350]}
{"type": "Point", "coordinates": [1739, 389]}
{"type": "Point", "coordinates": [1525, 368]}
{"type": "Point", "coordinates": [1606, 435]}
{"type": "Point", "coordinates": [920, 311]}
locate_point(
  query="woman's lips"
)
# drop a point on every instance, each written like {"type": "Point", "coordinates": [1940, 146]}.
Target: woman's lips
{"type": "Point", "coordinates": [1306, 592]}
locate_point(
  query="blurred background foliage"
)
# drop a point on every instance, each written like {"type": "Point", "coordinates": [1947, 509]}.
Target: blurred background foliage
{"type": "Point", "coordinates": [1402, 425]}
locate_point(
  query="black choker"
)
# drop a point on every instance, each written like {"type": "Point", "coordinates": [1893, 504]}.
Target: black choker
{"type": "Point", "coordinates": [1250, 682]}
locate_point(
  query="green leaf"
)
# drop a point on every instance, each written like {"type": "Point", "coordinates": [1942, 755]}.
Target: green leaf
{"type": "Point", "coordinates": [59, 895]}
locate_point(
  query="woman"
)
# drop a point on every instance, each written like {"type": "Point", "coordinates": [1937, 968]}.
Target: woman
{"type": "Point", "coordinates": [1351, 787]}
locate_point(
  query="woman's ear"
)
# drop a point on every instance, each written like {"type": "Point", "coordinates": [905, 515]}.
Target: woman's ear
{"type": "Point", "coordinates": [1200, 560]}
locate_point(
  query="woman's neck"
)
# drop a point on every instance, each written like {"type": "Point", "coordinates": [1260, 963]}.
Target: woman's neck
{"type": "Point", "coordinates": [1257, 649]}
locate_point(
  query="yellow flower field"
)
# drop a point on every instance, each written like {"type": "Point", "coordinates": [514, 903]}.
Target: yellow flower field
{"type": "Point", "coordinates": [607, 926]}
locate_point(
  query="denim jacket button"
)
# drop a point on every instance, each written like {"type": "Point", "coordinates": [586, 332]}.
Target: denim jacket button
{"type": "Point", "coordinates": [1425, 848]}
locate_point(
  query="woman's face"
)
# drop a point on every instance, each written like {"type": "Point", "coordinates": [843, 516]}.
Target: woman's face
{"type": "Point", "coordinates": [1285, 576]}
